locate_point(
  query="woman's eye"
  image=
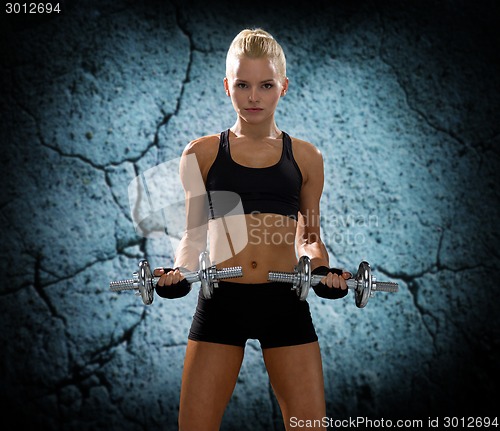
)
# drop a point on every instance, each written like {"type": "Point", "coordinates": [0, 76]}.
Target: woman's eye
{"type": "Point", "coordinates": [268, 86]}
{"type": "Point", "coordinates": [241, 85]}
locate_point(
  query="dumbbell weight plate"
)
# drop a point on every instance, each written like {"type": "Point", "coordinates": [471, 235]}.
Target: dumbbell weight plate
{"type": "Point", "coordinates": [206, 285]}
{"type": "Point", "coordinates": [304, 269]}
{"type": "Point", "coordinates": [364, 284]}
{"type": "Point", "coordinates": [145, 281]}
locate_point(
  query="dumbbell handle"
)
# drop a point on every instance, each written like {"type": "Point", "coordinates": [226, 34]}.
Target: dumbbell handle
{"type": "Point", "coordinates": [190, 276]}
{"type": "Point", "coordinates": [117, 286]}
{"type": "Point", "coordinates": [290, 277]}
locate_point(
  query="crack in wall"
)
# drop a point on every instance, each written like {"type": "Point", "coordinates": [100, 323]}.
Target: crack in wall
{"type": "Point", "coordinates": [98, 358]}
{"type": "Point", "coordinates": [82, 158]}
{"type": "Point", "coordinates": [187, 79]}
{"type": "Point", "coordinates": [109, 184]}
{"type": "Point", "coordinates": [142, 241]}
{"type": "Point", "coordinates": [98, 167]}
{"type": "Point", "coordinates": [407, 98]}
{"type": "Point", "coordinates": [164, 122]}
{"type": "Point", "coordinates": [39, 288]}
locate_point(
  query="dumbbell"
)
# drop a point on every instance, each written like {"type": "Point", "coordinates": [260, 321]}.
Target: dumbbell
{"type": "Point", "coordinates": [363, 283]}
{"type": "Point", "coordinates": [144, 282]}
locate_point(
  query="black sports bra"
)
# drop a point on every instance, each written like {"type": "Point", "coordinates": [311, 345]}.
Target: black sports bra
{"type": "Point", "coordinates": [274, 189]}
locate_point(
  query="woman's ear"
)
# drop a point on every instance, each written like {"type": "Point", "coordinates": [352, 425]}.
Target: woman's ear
{"type": "Point", "coordinates": [285, 87]}
{"type": "Point", "coordinates": [226, 86]}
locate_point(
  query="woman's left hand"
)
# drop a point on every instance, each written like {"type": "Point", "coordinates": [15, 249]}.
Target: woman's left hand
{"type": "Point", "coordinates": [337, 281]}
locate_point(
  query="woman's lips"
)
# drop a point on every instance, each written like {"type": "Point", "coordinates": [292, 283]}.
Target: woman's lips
{"type": "Point", "coordinates": [253, 109]}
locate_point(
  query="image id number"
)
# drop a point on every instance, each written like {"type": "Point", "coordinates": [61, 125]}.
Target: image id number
{"type": "Point", "coordinates": [32, 8]}
{"type": "Point", "coordinates": [470, 422]}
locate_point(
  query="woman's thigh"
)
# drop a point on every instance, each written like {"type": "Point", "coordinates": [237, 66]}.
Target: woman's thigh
{"type": "Point", "coordinates": [296, 375]}
{"type": "Point", "coordinates": [208, 380]}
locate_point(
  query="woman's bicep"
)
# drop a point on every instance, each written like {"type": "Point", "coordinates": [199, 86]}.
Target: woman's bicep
{"type": "Point", "coordinates": [196, 215]}
{"type": "Point", "coordinates": [310, 196]}
{"type": "Point", "coordinates": [194, 238]}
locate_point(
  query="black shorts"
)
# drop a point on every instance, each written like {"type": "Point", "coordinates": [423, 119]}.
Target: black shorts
{"type": "Point", "coordinates": [270, 312]}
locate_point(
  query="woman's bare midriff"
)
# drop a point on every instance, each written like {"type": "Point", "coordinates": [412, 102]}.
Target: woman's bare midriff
{"type": "Point", "coordinates": [259, 243]}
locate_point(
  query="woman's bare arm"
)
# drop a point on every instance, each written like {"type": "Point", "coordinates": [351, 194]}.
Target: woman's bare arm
{"type": "Point", "coordinates": [308, 237]}
{"type": "Point", "coordinates": [194, 239]}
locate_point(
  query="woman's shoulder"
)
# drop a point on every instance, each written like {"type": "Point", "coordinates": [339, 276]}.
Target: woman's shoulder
{"type": "Point", "coordinates": [305, 150]}
{"type": "Point", "coordinates": [205, 148]}
{"type": "Point", "coordinates": [203, 144]}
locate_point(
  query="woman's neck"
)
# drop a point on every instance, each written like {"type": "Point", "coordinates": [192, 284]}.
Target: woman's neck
{"type": "Point", "coordinates": [256, 131]}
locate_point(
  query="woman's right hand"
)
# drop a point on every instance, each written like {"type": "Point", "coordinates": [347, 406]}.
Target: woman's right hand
{"type": "Point", "coordinates": [171, 283]}
{"type": "Point", "coordinates": [168, 276]}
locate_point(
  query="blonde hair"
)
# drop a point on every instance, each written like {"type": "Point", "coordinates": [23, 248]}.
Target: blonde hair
{"type": "Point", "coordinates": [256, 43]}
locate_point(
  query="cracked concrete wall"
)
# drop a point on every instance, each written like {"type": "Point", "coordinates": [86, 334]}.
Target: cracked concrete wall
{"type": "Point", "coordinates": [403, 101]}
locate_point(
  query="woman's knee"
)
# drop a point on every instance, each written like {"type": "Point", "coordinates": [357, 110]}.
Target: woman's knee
{"type": "Point", "coordinates": [299, 390]}
{"type": "Point", "coordinates": [209, 377]}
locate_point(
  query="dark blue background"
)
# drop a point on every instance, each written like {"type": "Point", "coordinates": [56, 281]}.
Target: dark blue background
{"type": "Point", "coordinates": [402, 98]}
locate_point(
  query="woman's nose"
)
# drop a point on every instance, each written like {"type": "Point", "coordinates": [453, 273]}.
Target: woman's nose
{"type": "Point", "coordinates": [253, 96]}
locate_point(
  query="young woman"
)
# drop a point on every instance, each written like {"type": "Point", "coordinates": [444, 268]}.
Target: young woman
{"type": "Point", "coordinates": [279, 180]}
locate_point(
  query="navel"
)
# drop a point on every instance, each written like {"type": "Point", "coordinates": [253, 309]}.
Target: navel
{"type": "Point", "coordinates": [254, 264]}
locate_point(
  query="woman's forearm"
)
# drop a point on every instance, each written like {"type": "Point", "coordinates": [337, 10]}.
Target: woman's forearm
{"type": "Point", "coordinates": [316, 251]}
{"type": "Point", "coordinates": [188, 251]}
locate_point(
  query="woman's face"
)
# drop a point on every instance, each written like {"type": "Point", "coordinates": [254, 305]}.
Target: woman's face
{"type": "Point", "coordinates": [255, 88]}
